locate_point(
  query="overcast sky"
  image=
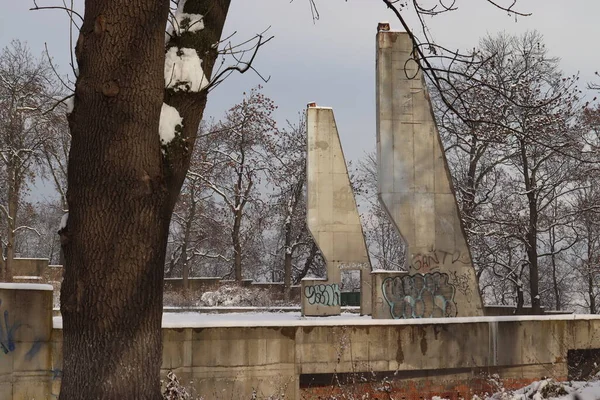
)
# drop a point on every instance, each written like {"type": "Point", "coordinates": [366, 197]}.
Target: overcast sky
{"type": "Point", "coordinates": [332, 61]}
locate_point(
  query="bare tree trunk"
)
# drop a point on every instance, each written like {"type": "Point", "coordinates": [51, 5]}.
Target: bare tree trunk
{"type": "Point", "coordinates": [531, 236]}
{"type": "Point", "coordinates": [591, 294]}
{"type": "Point", "coordinates": [185, 267]}
{"type": "Point", "coordinates": [121, 195]}
{"type": "Point", "coordinates": [557, 302]}
{"type": "Point", "coordinates": [116, 235]}
{"type": "Point", "coordinates": [308, 263]}
{"type": "Point", "coordinates": [287, 275]}
{"type": "Point", "coordinates": [520, 300]}
{"type": "Point", "coordinates": [13, 204]}
{"type": "Point", "coordinates": [237, 247]}
{"type": "Point", "coordinates": [588, 266]}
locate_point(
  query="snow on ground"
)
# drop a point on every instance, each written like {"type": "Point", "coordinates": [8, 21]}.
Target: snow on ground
{"type": "Point", "coordinates": [550, 389]}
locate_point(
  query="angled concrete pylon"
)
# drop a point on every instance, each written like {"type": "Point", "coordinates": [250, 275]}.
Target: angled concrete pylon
{"type": "Point", "coordinates": [415, 188]}
{"type": "Point", "coordinates": [332, 218]}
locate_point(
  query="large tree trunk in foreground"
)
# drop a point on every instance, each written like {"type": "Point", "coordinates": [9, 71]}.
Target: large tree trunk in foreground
{"type": "Point", "coordinates": [121, 194]}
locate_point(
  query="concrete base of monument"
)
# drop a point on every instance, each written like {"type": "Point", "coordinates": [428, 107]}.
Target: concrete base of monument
{"type": "Point", "coordinates": [235, 354]}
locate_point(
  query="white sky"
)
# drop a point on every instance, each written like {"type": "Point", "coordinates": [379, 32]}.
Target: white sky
{"type": "Point", "coordinates": [332, 61]}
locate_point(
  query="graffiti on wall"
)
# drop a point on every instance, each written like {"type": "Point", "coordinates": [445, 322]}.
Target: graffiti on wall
{"type": "Point", "coordinates": [431, 262]}
{"type": "Point", "coordinates": [461, 282]}
{"type": "Point", "coordinates": [323, 294]}
{"type": "Point", "coordinates": [428, 295]}
{"type": "Point", "coordinates": [8, 331]}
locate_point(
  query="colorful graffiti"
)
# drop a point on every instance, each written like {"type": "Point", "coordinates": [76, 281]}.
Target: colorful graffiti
{"type": "Point", "coordinates": [323, 294]}
{"type": "Point", "coordinates": [420, 296]}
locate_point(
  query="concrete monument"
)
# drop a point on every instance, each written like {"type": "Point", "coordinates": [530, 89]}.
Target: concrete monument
{"type": "Point", "coordinates": [332, 218]}
{"type": "Point", "coordinates": [415, 188]}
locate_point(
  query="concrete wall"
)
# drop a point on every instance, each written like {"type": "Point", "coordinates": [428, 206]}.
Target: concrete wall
{"type": "Point", "coordinates": [415, 188]}
{"type": "Point", "coordinates": [30, 267]}
{"type": "Point", "coordinates": [25, 341]}
{"type": "Point", "coordinates": [300, 357]}
{"type": "Point", "coordinates": [332, 217]}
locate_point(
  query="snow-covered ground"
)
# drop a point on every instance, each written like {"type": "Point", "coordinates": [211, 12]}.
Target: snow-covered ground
{"type": "Point", "coordinates": [549, 389]}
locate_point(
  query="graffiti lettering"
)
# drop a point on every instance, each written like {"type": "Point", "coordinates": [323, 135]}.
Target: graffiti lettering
{"type": "Point", "coordinates": [432, 261]}
{"type": "Point", "coordinates": [461, 282]}
{"type": "Point", "coordinates": [420, 296]}
{"type": "Point", "coordinates": [327, 295]}
{"type": "Point", "coordinates": [425, 262]}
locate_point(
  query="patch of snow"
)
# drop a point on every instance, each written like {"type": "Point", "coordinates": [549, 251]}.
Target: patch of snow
{"type": "Point", "coordinates": [169, 121]}
{"type": "Point", "coordinates": [586, 148]}
{"type": "Point", "coordinates": [266, 319]}
{"type": "Point", "coordinates": [183, 70]}
{"type": "Point", "coordinates": [30, 278]}
{"type": "Point", "coordinates": [227, 296]}
{"type": "Point", "coordinates": [69, 103]}
{"type": "Point", "coordinates": [63, 222]}
{"type": "Point", "coordinates": [25, 286]}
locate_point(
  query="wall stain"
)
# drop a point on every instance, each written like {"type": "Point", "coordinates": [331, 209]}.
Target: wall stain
{"type": "Point", "coordinates": [289, 332]}
{"type": "Point", "coordinates": [423, 341]}
{"type": "Point", "coordinates": [399, 352]}
{"type": "Point", "coordinates": [307, 329]}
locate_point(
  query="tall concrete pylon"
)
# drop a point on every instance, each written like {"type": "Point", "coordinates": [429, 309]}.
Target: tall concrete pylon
{"type": "Point", "coordinates": [415, 189]}
{"type": "Point", "coordinates": [332, 218]}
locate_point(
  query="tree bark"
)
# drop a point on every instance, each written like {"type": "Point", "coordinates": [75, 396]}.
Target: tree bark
{"type": "Point", "coordinates": [237, 246]}
{"type": "Point", "coordinates": [13, 203]}
{"type": "Point", "coordinates": [121, 195]}
{"type": "Point", "coordinates": [531, 236]}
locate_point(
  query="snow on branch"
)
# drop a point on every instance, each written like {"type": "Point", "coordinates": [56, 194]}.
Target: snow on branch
{"type": "Point", "coordinates": [183, 70]}
{"type": "Point", "coordinates": [170, 124]}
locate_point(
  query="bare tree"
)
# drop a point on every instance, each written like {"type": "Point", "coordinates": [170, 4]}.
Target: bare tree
{"type": "Point", "coordinates": [386, 248]}
{"type": "Point", "coordinates": [26, 90]}
{"type": "Point", "coordinates": [242, 161]}
{"type": "Point", "coordinates": [295, 245]}
{"type": "Point", "coordinates": [512, 152]}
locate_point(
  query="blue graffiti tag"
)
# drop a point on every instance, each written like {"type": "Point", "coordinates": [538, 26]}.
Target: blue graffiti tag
{"type": "Point", "coordinates": [7, 336]}
{"type": "Point", "coordinates": [420, 296]}
{"type": "Point", "coordinates": [7, 333]}
{"type": "Point", "coordinates": [323, 294]}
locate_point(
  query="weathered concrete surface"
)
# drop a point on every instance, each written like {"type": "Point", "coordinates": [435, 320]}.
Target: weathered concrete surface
{"type": "Point", "coordinates": [297, 357]}
{"type": "Point", "coordinates": [332, 218]}
{"type": "Point", "coordinates": [29, 267]}
{"type": "Point", "coordinates": [415, 188]}
{"type": "Point", "coordinates": [25, 341]}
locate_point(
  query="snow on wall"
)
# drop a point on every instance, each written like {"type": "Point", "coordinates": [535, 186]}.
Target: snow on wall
{"type": "Point", "coordinates": [25, 286]}
{"type": "Point", "coordinates": [267, 319]}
